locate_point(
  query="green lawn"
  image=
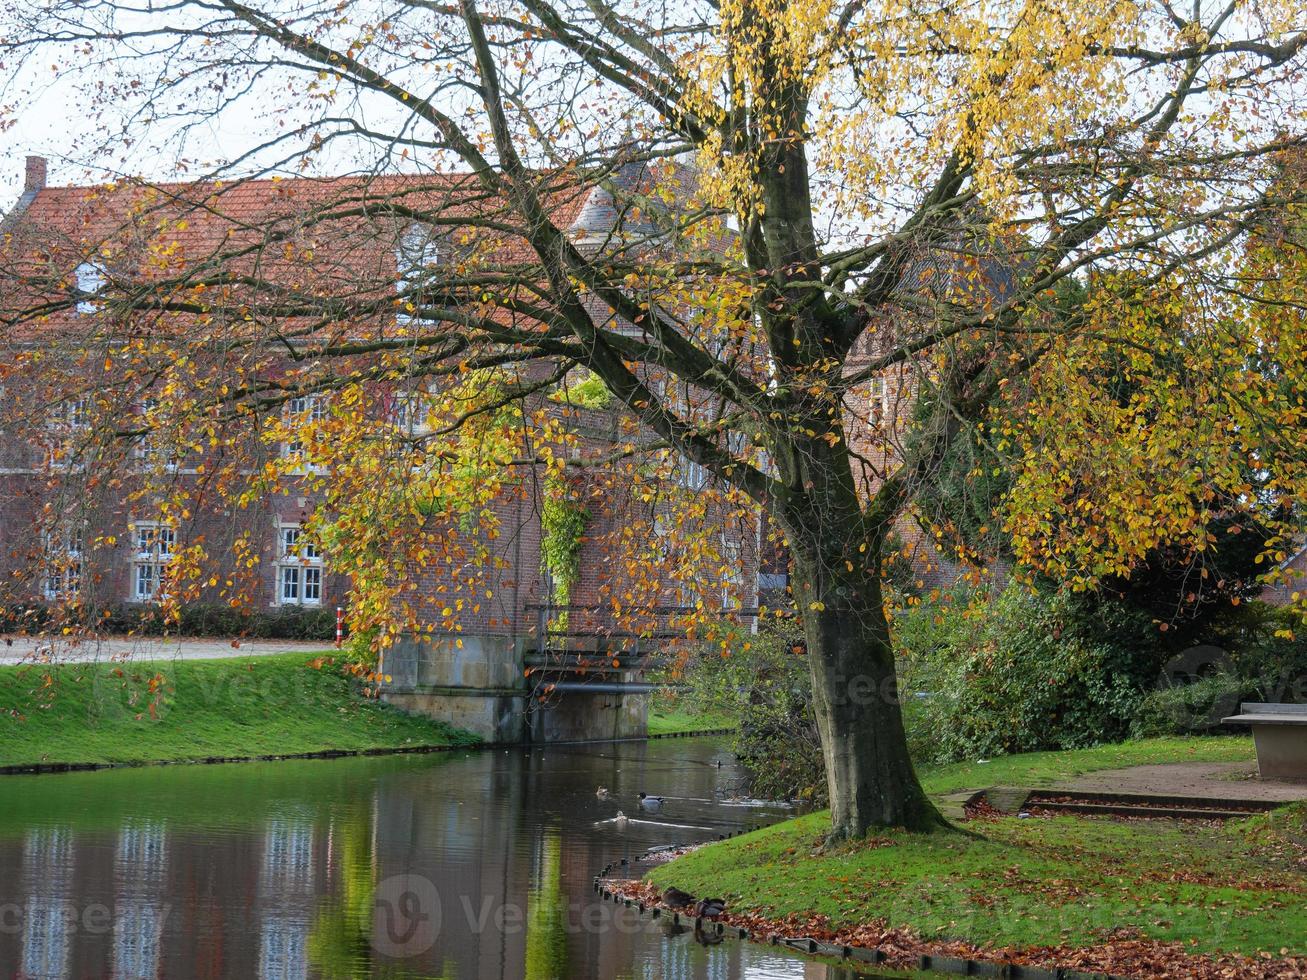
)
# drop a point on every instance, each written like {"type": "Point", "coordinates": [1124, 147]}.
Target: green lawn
{"type": "Point", "coordinates": [1035, 769]}
{"type": "Point", "coordinates": [236, 707]}
{"type": "Point", "coordinates": [668, 720]}
{"type": "Point", "coordinates": [1239, 887]}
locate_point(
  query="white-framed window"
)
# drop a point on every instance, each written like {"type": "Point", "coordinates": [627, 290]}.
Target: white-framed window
{"type": "Point", "coordinates": [732, 571]}
{"type": "Point", "coordinates": [153, 547]}
{"type": "Point", "coordinates": [878, 398]}
{"type": "Point", "coordinates": [303, 411]}
{"type": "Point", "coordinates": [63, 564]}
{"type": "Point", "coordinates": [89, 280]}
{"type": "Point", "coordinates": [147, 450]}
{"type": "Point", "coordinates": [69, 424]}
{"type": "Point", "coordinates": [690, 474]}
{"type": "Point", "coordinates": [71, 416]}
{"type": "Point", "coordinates": [75, 414]}
{"type": "Point", "coordinates": [683, 592]}
{"type": "Point", "coordinates": [411, 411]}
{"type": "Point", "coordinates": [299, 568]}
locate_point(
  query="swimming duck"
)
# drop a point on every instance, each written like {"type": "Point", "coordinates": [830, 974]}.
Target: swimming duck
{"type": "Point", "coordinates": [651, 802]}
{"type": "Point", "coordinates": [602, 793]}
{"type": "Point", "coordinates": [621, 820]}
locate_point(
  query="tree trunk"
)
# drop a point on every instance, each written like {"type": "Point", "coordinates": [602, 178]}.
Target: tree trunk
{"type": "Point", "coordinates": [869, 774]}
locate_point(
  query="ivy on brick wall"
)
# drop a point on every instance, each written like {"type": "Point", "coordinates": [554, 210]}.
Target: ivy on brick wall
{"type": "Point", "coordinates": [563, 521]}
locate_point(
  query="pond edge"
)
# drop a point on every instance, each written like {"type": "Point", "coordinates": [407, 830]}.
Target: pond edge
{"type": "Point", "coordinates": [872, 956]}
{"type": "Point", "coordinates": [50, 768]}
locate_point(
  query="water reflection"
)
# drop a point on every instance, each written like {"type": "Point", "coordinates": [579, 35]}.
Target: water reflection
{"type": "Point", "coordinates": [286, 898]}
{"type": "Point", "coordinates": [475, 865]}
{"type": "Point", "coordinates": [47, 877]}
{"type": "Point", "coordinates": [142, 907]}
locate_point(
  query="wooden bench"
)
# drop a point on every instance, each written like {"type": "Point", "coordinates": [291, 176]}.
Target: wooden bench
{"type": "Point", "coordinates": [1280, 734]}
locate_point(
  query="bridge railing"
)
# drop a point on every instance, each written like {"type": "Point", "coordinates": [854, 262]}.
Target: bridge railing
{"type": "Point", "coordinates": [600, 639]}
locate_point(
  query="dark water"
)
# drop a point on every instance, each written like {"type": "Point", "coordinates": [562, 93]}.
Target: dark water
{"type": "Point", "coordinates": [469, 865]}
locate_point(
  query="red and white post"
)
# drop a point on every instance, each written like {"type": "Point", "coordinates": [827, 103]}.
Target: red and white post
{"type": "Point", "coordinates": [340, 626]}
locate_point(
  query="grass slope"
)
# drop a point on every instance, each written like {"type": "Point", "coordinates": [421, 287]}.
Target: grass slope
{"type": "Point", "coordinates": [1239, 887]}
{"type": "Point", "coordinates": [270, 705]}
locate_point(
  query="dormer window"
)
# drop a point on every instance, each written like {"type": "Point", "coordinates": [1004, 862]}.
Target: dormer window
{"type": "Point", "coordinates": [419, 253]}
{"type": "Point", "coordinates": [89, 279]}
{"type": "Point", "coordinates": [878, 399]}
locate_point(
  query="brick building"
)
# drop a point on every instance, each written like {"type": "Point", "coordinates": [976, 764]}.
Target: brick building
{"type": "Point", "coordinates": [78, 513]}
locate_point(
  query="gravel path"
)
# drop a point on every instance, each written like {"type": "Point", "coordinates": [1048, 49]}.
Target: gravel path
{"type": "Point", "coordinates": [25, 649]}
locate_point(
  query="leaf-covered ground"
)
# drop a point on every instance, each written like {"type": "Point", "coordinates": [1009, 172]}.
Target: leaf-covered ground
{"type": "Point", "coordinates": [140, 711]}
{"type": "Point", "coordinates": [1138, 897]}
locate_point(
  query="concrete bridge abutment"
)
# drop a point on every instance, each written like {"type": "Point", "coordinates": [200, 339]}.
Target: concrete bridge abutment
{"type": "Point", "coordinates": [480, 684]}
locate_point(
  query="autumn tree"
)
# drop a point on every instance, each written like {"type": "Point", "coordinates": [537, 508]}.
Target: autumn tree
{"type": "Point", "coordinates": [984, 487]}
{"type": "Point", "coordinates": [824, 193]}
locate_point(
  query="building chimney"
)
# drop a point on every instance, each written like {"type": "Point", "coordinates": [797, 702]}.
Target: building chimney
{"type": "Point", "coordinates": [34, 178]}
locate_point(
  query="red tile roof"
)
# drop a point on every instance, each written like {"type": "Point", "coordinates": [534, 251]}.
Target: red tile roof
{"type": "Point", "coordinates": [330, 237]}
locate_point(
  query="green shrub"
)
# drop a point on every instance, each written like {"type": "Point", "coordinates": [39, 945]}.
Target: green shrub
{"type": "Point", "coordinates": [1192, 709]}
{"type": "Point", "coordinates": [1260, 654]}
{"type": "Point", "coordinates": [563, 520]}
{"type": "Point", "coordinates": [196, 619]}
{"type": "Point", "coordinates": [361, 648]}
{"type": "Point", "coordinates": [1266, 645]}
{"type": "Point", "coordinates": [1021, 672]}
{"type": "Point", "coordinates": [25, 618]}
{"type": "Point", "coordinates": [763, 681]}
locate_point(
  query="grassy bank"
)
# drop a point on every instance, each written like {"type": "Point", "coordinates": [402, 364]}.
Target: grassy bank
{"type": "Point", "coordinates": [667, 720]}
{"type": "Point", "coordinates": [182, 710]}
{"type": "Point", "coordinates": [1064, 882]}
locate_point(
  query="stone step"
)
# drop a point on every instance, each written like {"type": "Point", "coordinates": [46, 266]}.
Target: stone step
{"type": "Point", "coordinates": [1125, 810]}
